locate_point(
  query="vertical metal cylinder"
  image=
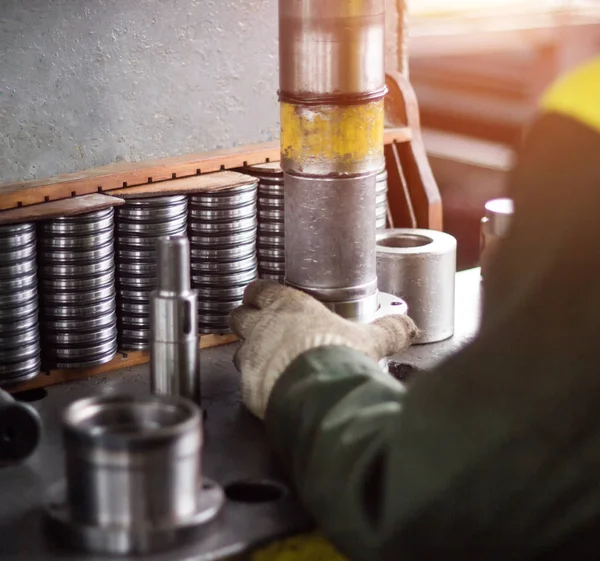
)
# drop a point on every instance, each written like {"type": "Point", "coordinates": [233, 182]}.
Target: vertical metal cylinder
{"type": "Point", "coordinates": [494, 227]}
{"type": "Point", "coordinates": [174, 350]}
{"type": "Point", "coordinates": [332, 85]}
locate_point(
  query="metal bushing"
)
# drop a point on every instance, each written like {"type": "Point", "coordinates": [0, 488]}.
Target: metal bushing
{"type": "Point", "coordinates": [139, 224]}
{"type": "Point", "coordinates": [133, 476]}
{"type": "Point", "coordinates": [77, 290]}
{"type": "Point", "coordinates": [330, 246]}
{"type": "Point", "coordinates": [19, 329]}
{"type": "Point", "coordinates": [222, 234]}
{"type": "Point", "coordinates": [494, 227]}
{"type": "Point", "coordinates": [419, 266]}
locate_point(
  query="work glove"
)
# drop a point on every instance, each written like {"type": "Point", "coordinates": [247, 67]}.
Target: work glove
{"type": "Point", "coordinates": [277, 324]}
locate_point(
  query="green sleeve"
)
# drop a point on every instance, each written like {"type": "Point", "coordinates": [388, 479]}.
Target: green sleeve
{"type": "Point", "coordinates": [496, 453]}
{"type": "Point", "coordinates": [457, 465]}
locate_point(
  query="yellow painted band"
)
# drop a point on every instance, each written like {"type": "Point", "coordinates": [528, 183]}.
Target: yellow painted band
{"type": "Point", "coordinates": [342, 133]}
{"type": "Point", "coordinates": [577, 95]}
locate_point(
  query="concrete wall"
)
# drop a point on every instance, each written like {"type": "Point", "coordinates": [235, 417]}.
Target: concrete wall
{"type": "Point", "coordinates": [85, 83]}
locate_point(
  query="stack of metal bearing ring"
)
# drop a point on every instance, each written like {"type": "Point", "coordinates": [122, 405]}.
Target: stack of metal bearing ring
{"type": "Point", "coordinates": [77, 290]}
{"type": "Point", "coordinates": [19, 330]}
{"type": "Point", "coordinates": [222, 233]}
{"type": "Point", "coordinates": [381, 200]}
{"type": "Point", "coordinates": [140, 222]}
{"type": "Point", "coordinates": [270, 239]}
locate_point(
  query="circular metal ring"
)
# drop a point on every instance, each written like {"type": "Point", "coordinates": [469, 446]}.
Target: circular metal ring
{"type": "Point", "coordinates": [235, 279]}
{"type": "Point", "coordinates": [223, 253]}
{"type": "Point", "coordinates": [219, 228]}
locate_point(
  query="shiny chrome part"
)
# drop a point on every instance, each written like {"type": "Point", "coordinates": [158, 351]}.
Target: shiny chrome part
{"type": "Point", "coordinates": [134, 483]}
{"type": "Point", "coordinates": [333, 47]}
{"type": "Point", "coordinates": [19, 329]}
{"type": "Point", "coordinates": [139, 224]}
{"type": "Point", "coordinates": [333, 264]}
{"type": "Point", "coordinates": [77, 290]}
{"type": "Point", "coordinates": [222, 234]}
{"type": "Point", "coordinates": [494, 227]}
{"type": "Point", "coordinates": [419, 266]}
{"type": "Point", "coordinates": [174, 342]}
{"type": "Point", "coordinates": [332, 79]}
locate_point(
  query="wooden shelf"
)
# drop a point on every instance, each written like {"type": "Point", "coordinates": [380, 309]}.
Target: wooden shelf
{"type": "Point", "coordinates": [126, 174]}
{"type": "Point", "coordinates": [122, 360]}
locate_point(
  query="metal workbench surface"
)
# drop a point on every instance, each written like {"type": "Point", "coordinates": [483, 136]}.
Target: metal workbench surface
{"type": "Point", "coordinates": [235, 450]}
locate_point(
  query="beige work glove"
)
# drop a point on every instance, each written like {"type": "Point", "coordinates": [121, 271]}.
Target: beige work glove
{"type": "Point", "coordinates": [277, 324]}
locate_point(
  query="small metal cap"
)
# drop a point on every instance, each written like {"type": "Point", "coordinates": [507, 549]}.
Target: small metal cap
{"type": "Point", "coordinates": [499, 214]}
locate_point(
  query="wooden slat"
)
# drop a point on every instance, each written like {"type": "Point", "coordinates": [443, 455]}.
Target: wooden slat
{"type": "Point", "coordinates": [64, 207]}
{"type": "Point", "coordinates": [127, 174]}
{"type": "Point", "coordinates": [122, 360]}
{"type": "Point", "coordinates": [187, 185]}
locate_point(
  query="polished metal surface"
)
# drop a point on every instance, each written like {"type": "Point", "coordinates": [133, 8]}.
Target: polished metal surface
{"type": "Point", "coordinates": [494, 228]}
{"type": "Point", "coordinates": [20, 430]}
{"type": "Point", "coordinates": [236, 449]}
{"type": "Point", "coordinates": [331, 47]}
{"type": "Point", "coordinates": [270, 239]}
{"type": "Point", "coordinates": [139, 224]}
{"type": "Point", "coordinates": [419, 266]}
{"type": "Point", "coordinates": [332, 84]}
{"type": "Point", "coordinates": [330, 239]}
{"type": "Point", "coordinates": [174, 343]}
{"type": "Point", "coordinates": [19, 329]}
{"type": "Point", "coordinates": [133, 475]}
{"type": "Point", "coordinates": [77, 290]}
{"type": "Point", "coordinates": [222, 233]}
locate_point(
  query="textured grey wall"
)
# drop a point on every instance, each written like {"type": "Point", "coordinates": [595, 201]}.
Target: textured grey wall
{"type": "Point", "coordinates": [85, 83]}
{"type": "Point", "coordinates": [89, 82]}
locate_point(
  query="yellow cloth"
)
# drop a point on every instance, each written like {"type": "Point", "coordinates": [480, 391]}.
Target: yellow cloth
{"type": "Point", "coordinates": [577, 95]}
{"type": "Point", "coordinates": [308, 547]}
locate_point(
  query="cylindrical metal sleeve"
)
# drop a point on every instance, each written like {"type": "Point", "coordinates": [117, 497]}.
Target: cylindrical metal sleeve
{"type": "Point", "coordinates": [494, 227]}
{"type": "Point", "coordinates": [330, 236]}
{"type": "Point", "coordinates": [132, 462]}
{"type": "Point", "coordinates": [331, 47]}
{"type": "Point", "coordinates": [419, 266]}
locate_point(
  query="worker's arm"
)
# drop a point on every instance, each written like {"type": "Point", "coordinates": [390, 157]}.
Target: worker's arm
{"type": "Point", "coordinates": [496, 454]}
